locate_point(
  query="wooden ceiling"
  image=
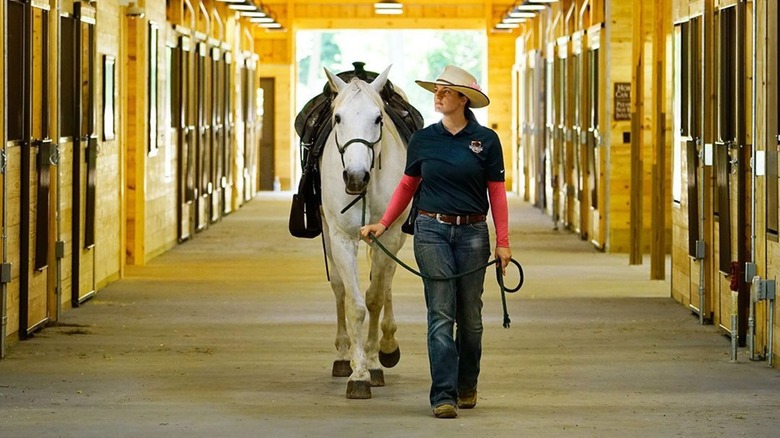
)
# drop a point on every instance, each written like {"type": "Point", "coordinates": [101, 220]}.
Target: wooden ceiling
{"type": "Point", "coordinates": [451, 14]}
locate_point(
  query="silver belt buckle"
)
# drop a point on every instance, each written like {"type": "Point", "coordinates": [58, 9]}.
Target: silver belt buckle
{"type": "Point", "coordinates": [438, 219]}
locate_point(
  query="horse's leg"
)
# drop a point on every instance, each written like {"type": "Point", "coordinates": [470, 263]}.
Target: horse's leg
{"type": "Point", "coordinates": [344, 252]}
{"type": "Point", "coordinates": [374, 303]}
{"type": "Point", "coordinates": [382, 274]}
{"type": "Point", "coordinates": [341, 367]}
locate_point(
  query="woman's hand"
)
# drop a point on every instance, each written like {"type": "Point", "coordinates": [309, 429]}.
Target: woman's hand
{"type": "Point", "coordinates": [504, 254]}
{"type": "Point", "coordinates": [375, 229]}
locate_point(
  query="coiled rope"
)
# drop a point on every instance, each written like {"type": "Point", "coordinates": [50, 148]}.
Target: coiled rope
{"type": "Point", "coordinates": [496, 261]}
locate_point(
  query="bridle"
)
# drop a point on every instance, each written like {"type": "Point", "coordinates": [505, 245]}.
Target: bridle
{"type": "Point", "coordinates": [370, 145]}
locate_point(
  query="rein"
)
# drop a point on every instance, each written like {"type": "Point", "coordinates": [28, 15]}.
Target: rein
{"type": "Point", "coordinates": [496, 261]}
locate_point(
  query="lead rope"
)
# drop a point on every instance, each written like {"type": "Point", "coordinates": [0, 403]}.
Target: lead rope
{"type": "Point", "coordinates": [499, 276]}
{"type": "Point", "coordinates": [496, 261]}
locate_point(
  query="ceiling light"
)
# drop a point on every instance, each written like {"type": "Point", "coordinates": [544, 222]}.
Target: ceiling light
{"type": "Point", "coordinates": [388, 7]}
{"type": "Point", "coordinates": [530, 8]}
{"type": "Point", "coordinates": [261, 20]}
{"type": "Point", "coordinates": [542, 1]}
{"type": "Point", "coordinates": [253, 14]}
{"type": "Point", "coordinates": [513, 20]}
{"type": "Point", "coordinates": [388, 4]}
{"type": "Point", "coordinates": [521, 14]}
{"type": "Point", "coordinates": [507, 25]}
{"type": "Point", "coordinates": [242, 7]}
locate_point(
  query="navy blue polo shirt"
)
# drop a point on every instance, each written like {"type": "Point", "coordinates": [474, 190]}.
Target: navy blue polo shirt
{"type": "Point", "coordinates": [455, 169]}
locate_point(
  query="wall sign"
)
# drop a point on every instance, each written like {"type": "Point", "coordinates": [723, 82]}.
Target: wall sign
{"type": "Point", "coordinates": [622, 101]}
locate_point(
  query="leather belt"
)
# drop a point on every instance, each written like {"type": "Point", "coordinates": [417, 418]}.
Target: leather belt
{"type": "Point", "coordinates": [452, 219]}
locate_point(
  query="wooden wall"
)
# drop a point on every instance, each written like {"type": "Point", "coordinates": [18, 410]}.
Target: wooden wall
{"type": "Point", "coordinates": [753, 237]}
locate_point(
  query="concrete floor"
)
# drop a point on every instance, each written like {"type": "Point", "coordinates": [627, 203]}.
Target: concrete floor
{"type": "Point", "coordinates": [231, 335]}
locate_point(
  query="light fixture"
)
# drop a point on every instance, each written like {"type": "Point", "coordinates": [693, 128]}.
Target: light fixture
{"type": "Point", "coordinates": [513, 20]}
{"type": "Point", "coordinates": [526, 10]}
{"type": "Point", "coordinates": [242, 7]}
{"type": "Point", "coordinates": [530, 7]}
{"type": "Point", "coordinates": [521, 14]}
{"type": "Point", "coordinates": [134, 11]}
{"type": "Point", "coordinates": [388, 7]}
{"type": "Point", "coordinates": [253, 14]}
{"type": "Point", "coordinates": [261, 20]}
{"type": "Point", "coordinates": [231, 1]}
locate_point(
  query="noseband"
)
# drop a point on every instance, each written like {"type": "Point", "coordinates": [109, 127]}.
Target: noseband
{"type": "Point", "coordinates": [368, 144]}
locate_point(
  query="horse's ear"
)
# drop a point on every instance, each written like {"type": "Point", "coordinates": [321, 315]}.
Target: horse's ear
{"type": "Point", "coordinates": [336, 83]}
{"type": "Point", "coordinates": [380, 80]}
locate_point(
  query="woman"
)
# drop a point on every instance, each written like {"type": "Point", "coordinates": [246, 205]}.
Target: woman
{"type": "Point", "coordinates": [459, 165]}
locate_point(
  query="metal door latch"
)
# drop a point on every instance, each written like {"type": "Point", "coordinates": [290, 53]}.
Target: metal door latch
{"type": "Point", "coordinates": [765, 290]}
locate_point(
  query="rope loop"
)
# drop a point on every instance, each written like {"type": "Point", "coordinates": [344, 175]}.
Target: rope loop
{"type": "Point", "coordinates": [496, 261]}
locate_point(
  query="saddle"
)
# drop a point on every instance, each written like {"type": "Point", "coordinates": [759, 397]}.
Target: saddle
{"type": "Point", "coordinates": [313, 126]}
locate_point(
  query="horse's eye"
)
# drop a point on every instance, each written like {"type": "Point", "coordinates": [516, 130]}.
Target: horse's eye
{"type": "Point", "coordinates": [338, 118]}
{"type": "Point", "coordinates": [378, 120]}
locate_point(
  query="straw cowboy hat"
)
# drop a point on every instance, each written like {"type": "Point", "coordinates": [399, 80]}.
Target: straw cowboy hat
{"type": "Point", "coordinates": [459, 80]}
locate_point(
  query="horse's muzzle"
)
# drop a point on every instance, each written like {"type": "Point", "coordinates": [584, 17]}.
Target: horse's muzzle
{"type": "Point", "coordinates": [355, 183]}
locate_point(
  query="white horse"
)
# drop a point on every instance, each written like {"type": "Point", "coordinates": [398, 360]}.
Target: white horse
{"type": "Point", "coordinates": [364, 154]}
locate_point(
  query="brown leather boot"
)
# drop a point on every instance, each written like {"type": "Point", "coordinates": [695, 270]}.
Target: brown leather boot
{"type": "Point", "coordinates": [467, 399]}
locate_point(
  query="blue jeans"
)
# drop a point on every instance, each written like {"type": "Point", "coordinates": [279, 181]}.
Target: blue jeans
{"type": "Point", "coordinates": [445, 250]}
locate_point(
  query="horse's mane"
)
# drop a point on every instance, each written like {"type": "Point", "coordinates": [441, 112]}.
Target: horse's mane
{"type": "Point", "coordinates": [360, 86]}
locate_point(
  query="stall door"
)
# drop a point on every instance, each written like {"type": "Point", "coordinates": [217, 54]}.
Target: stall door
{"type": "Point", "coordinates": [537, 142]}
{"type": "Point", "coordinates": [731, 159]}
{"type": "Point", "coordinates": [596, 158]}
{"type": "Point", "coordinates": [218, 133]}
{"type": "Point", "coordinates": [228, 186]}
{"type": "Point", "coordinates": [688, 136]}
{"type": "Point", "coordinates": [518, 163]}
{"type": "Point", "coordinates": [78, 154]}
{"type": "Point", "coordinates": [251, 144]}
{"type": "Point", "coordinates": [550, 180]}
{"type": "Point", "coordinates": [529, 160]}
{"type": "Point", "coordinates": [579, 135]}
{"type": "Point", "coordinates": [562, 142]}
{"type": "Point", "coordinates": [266, 157]}
{"type": "Point", "coordinates": [203, 143]}
{"type": "Point", "coordinates": [29, 154]}
{"type": "Point", "coordinates": [183, 120]}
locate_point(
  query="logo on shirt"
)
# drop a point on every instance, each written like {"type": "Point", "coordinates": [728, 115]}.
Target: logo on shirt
{"type": "Point", "coordinates": [476, 146]}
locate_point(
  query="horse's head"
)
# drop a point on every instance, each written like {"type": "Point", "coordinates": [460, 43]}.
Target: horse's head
{"type": "Point", "coordinates": [357, 121]}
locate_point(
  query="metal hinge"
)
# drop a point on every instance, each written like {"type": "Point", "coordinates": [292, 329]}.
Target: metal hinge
{"type": "Point", "coordinates": [699, 250]}
{"type": "Point", "coordinates": [59, 249]}
{"type": "Point", "coordinates": [5, 273]}
{"type": "Point", "coordinates": [750, 272]}
{"type": "Point", "coordinates": [2, 161]}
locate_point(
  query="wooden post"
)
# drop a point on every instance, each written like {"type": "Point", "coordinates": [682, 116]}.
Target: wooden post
{"type": "Point", "coordinates": [660, 203]}
{"type": "Point", "coordinates": [635, 242]}
{"type": "Point", "coordinates": [709, 104]}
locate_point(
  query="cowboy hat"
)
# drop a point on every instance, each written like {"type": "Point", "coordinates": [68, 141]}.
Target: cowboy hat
{"type": "Point", "coordinates": [459, 80]}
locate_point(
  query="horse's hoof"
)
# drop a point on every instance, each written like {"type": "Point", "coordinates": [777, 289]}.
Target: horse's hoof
{"type": "Point", "coordinates": [377, 377]}
{"type": "Point", "coordinates": [341, 368]}
{"type": "Point", "coordinates": [389, 360]}
{"type": "Point", "coordinates": [358, 389]}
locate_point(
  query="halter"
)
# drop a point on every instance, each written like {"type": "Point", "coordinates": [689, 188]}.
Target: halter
{"type": "Point", "coordinates": [368, 144]}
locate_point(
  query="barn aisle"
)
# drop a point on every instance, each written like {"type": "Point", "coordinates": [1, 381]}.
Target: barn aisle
{"type": "Point", "coordinates": [231, 335]}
